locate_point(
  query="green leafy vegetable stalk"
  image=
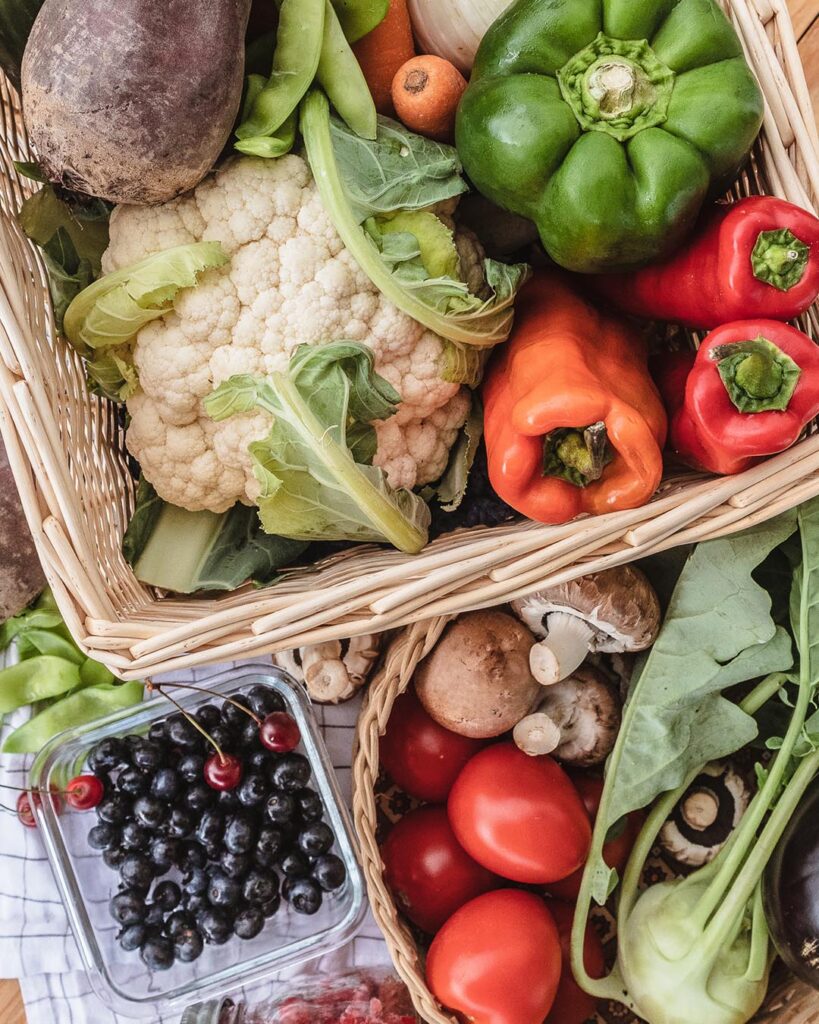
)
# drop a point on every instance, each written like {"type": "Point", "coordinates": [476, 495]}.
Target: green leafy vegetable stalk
{"type": "Point", "coordinates": [315, 466]}
{"type": "Point", "coordinates": [696, 949]}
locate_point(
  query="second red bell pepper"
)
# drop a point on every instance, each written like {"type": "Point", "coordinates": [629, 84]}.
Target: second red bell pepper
{"type": "Point", "coordinates": [758, 257]}
{"type": "Point", "coordinates": [749, 392]}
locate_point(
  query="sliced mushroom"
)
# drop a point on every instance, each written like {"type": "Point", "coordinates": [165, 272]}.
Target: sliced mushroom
{"type": "Point", "coordinates": [577, 720]}
{"type": "Point", "coordinates": [614, 610]}
{"type": "Point", "coordinates": [333, 671]}
{"type": "Point", "coordinates": [476, 681]}
{"type": "Point", "coordinates": [703, 820]}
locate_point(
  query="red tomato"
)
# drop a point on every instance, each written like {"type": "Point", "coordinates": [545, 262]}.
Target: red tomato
{"type": "Point", "coordinates": [615, 852]}
{"type": "Point", "coordinates": [572, 1005]}
{"type": "Point", "coordinates": [428, 871]}
{"type": "Point", "coordinates": [497, 959]}
{"type": "Point", "coordinates": [519, 816]}
{"type": "Point", "coordinates": [422, 757]}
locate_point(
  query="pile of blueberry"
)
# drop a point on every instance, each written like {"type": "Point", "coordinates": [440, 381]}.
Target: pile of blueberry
{"type": "Point", "coordinates": [199, 838]}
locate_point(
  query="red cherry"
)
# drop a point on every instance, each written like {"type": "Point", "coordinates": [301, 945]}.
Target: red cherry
{"type": "Point", "coordinates": [24, 811]}
{"type": "Point", "coordinates": [223, 771]}
{"type": "Point", "coordinates": [84, 792]}
{"type": "Point", "coordinates": [279, 732]}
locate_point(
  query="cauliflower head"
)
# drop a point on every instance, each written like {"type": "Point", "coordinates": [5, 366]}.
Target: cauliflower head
{"type": "Point", "coordinates": [290, 281]}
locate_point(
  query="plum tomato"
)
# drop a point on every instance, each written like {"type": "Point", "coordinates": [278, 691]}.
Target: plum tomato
{"type": "Point", "coordinates": [497, 960]}
{"type": "Point", "coordinates": [616, 849]}
{"type": "Point", "coordinates": [422, 757]}
{"type": "Point", "coordinates": [572, 1005]}
{"type": "Point", "coordinates": [428, 872]}
{"type": "Point", "coordinates": [519, 816]}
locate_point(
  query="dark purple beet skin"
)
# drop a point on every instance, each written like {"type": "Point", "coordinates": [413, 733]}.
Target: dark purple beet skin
{"type": "Point", "coordinates": [791, 891]}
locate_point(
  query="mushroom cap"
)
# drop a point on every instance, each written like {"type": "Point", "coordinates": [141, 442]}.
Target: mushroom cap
{"type": "Point", "coordinates": [701, 823]}
{"type": "Point", "coordinates": [586, 707]}
{"type": "Point", "coordinates": [334, 670]}
{"type": "Point", "coordinates": [476, 681]}
{"type": "Point", "coordinates": [619, 604]}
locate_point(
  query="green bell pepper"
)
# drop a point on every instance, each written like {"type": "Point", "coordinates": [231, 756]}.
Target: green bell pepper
{"type": "Point", "coordinates": [608, 122]}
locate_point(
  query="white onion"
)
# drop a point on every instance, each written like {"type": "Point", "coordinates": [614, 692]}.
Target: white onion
{"type": "Point", "coordinates": [454, 28]}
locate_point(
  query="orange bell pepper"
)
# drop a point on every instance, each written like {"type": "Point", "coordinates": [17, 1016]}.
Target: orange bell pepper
{"type": "Point", "coordinates": [572, 420]}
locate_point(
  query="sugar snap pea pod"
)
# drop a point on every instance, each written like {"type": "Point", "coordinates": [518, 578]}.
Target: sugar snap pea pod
{"type": "Point", "coordinates": [36, 679]}
{"type": "Point", "coordinates": [75, 709]}
{"type": "Point", "coordinates": [343, 80]}
{"type": "Point", "coordinates": [358, 17]}
{"type": "Point", "coordinates": [271, 146]}
{"type": "Point", "coordinates": [33, 642]}
{"type": "Point", "coordinates": [94, 673]}
{"type": "Point", "coordinates": [295, 62]}
{"type": "Point", "coordinates": [255, 84]}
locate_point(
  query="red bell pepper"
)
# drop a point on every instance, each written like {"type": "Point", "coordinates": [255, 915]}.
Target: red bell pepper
{"type": "Point", "coordinates": [748, 392]}
{"type": "Point", "coordinates": [758, 257]}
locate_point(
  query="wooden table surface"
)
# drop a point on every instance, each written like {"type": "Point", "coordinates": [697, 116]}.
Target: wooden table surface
{"type": "Point", "coordinates": [806, 25]}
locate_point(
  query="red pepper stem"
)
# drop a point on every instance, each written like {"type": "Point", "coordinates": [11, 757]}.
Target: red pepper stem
{"type": "Point", "coordinates": [758, 376]}
{"type": "Point", "coordinates": [779, 259]}
{"type": "Point", "coordinates": [577, 454]}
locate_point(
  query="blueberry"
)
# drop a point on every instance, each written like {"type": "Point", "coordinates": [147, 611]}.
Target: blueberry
{"type": "Point", "coordinates": [190, 767]}
{"type": "Point", "coordinates": [107, 754]}
{"type": "Point", "coordinates": [228, 801]}
{"type": "Point", "coordinates": [136, 871]}
{"type": "Point", "coordinates": [233, 718]}
{"type": "Point", "coordinates": [156, 734]}
{"type": "Point", "coordinates": [178, 922]}
{"type": "Point", "coordinates": [280, 808]}
{"type": "Point", "coordinates": [240, 834]}
{"type": "Point", "coordinates": [303, 895]}
{"type": "Point", "coordinates": [198, 797]}
{"type": "Point", "coordinates": [235, 865]}
{"type": "Point", "coordinates": [167, 895]}
{"type": "Point", "coordinates": [134, 836]}
{"type": "Point", "coordinates": [195, 903]}
{"type": "Point", "coordinates": [211, 826]}
{"type": "Point", "coordinates": [329, 872]}
{"type": "Point", "coordinates": [147, 755]}
{"type": "Point", "coordinates": [260, 888]}
{"type": "Point", "coordinates": [223, 737]}
{"type": "Point", "coordinates": [315, 839]}
{"type": "Point", "coordinates": [181, 823]}
{"type": "Point", "coordinates": [249, 922]}
{"type": "Point", "coordinates": [165, 784]}
{"type": "Point", "coordinates": [223, 891]}
{"type": "Point", "coordinates": [113, 857]}
{"type": "Point", "coordinates": [262, 700]}
{"type": "Point", "coordinates": [196, 881]}
{"type": "Point", "coordinates": [182, 733]}
{"type": "Point", "coordinates": [157, 953]}
{"type": "Point", "coordinates": [128, 907]}
{"type": "Point", "coordinates": [132, 937]}
{"type": "Point", "coordinates": [188, 945]}
{"type": "Point", "coordinates": [272, 906]}
{"type": "Point", "coordinates": [291, 773]}
{"type": "Point", "coordinates": [103, 837]}
{"type": "Point", "coordinates": [309, 805]}
{"type": "Point", "coordinates": [193, 856]}
{"type": "Point", "coordinates": [249, 735]}
{"type": "Point", "coordinates": [129, 742]}
{"type": "Point", "coordinates": [268, 847]}
{"type": "Point", "coordinates": [208, 716]}
{"type": "Point", "coordinates": [113, 809]}
{"type": "Point", "coordinates": [164, 852]}
{"type": "Point", "coordinates": [258, 760]}
{"type": "Point", "coordinates": [214, 926]}
{"type": "Point", "coordinates": [132, 782]}
{"type": "Point", "coordinates": [294, 864]}
{"type": "Point", "coordinates": [149, 811]}
{"type": "Point", "coordinates": [155, 917]}
{"type": "Point", "coordinates": [252, 789]}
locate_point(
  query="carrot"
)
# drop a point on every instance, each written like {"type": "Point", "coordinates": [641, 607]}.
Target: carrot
{"type": "Point", "coordinates": [426, 92]}
{"type": "Point", "coordinates": [382, 52]}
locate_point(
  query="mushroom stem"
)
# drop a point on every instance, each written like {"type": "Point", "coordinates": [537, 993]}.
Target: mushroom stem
{"type": "Point", "coordinates": [563, 649]}
{"type": "Point", "coordinates": [537, 734]}
{"type": "Point", "coordinates": [700, 809]}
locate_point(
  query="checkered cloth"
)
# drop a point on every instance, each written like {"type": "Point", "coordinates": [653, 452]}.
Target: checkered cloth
{"type": "Point", "coordinates": [36, 944]}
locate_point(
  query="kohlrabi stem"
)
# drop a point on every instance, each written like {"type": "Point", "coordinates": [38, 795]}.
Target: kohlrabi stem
{"type": "Point", "coordinates": [758, 956]}
{"type": "Point", "coordinates": [763, 691]}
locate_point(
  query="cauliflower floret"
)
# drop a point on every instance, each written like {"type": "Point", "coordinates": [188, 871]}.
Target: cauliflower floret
{"type": "Point", "coordinates": [290, 281]}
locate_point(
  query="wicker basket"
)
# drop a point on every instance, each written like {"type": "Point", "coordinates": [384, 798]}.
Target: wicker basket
{"type": "Point", "coordinates": [67, 453]}
{"type": "Point", "coordinates": [789, 1001]}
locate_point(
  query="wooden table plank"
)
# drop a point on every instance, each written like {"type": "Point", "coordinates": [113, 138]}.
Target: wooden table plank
{"type": "Point", "coordinates": [803, 12]}
{"type": "Point", "coordinates": [809, 52]}
{"type": "Point", "coordinates": [11, 1004]}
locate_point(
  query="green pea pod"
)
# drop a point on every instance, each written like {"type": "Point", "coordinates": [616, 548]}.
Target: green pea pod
{"type": "Point", "coordinates": [255, 84]}
{"type": "Point", "coordinates": [272, 146]}
{"type": "Point", "coordinates": [358, 17]}
{"type": "Point", "coordinates": [295, 62]}
{"type": "Point", "coordinates": [34, 642]}
{"type": "Point", "coordinates": [343, 80]}
{"type": "Point", "coordinates": [36, 679]}
{"type": "Point", "coordinates": [94, 673]}
{"type": "Point", "coordinates": [76, 709]}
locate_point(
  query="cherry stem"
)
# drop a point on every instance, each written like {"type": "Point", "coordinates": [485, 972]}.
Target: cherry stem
{"type": "Point", "coordinates": [213, 693]}
{"type": "Point", "coordinates": [159, 689]}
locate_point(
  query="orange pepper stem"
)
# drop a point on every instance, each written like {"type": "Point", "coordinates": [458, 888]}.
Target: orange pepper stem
{"type": "Point", "coordinates": [577, 454]}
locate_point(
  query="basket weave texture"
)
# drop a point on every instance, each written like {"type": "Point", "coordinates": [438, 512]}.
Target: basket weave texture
{"type": "Point", "coordinates": [789, 1001]}
{"type": "Point", "coordinates": [67, 452]}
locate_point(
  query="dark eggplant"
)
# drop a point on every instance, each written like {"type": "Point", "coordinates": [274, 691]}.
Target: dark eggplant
{"type": "Point", "coordinates": [791, 890]}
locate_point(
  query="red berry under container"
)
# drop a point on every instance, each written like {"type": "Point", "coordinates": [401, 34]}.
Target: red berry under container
{"type": "Point", "coordinates": [121, 978]}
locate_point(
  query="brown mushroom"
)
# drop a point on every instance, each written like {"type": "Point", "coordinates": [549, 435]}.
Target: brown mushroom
{"type": "Point", "coordinates": [335, 670]}
{"type": "Point", "coordinates": [613, 610]}
{"type": "Point", "coordinates": [476, 681]}
{"type": "Point", "coordinates": [577, 720]}
{"type": "Point", "coordinates": [703, 820]}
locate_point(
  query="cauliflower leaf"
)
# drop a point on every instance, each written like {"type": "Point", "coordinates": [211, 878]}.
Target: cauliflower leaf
{"type": "Point", "coordinates": [314, 484]}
